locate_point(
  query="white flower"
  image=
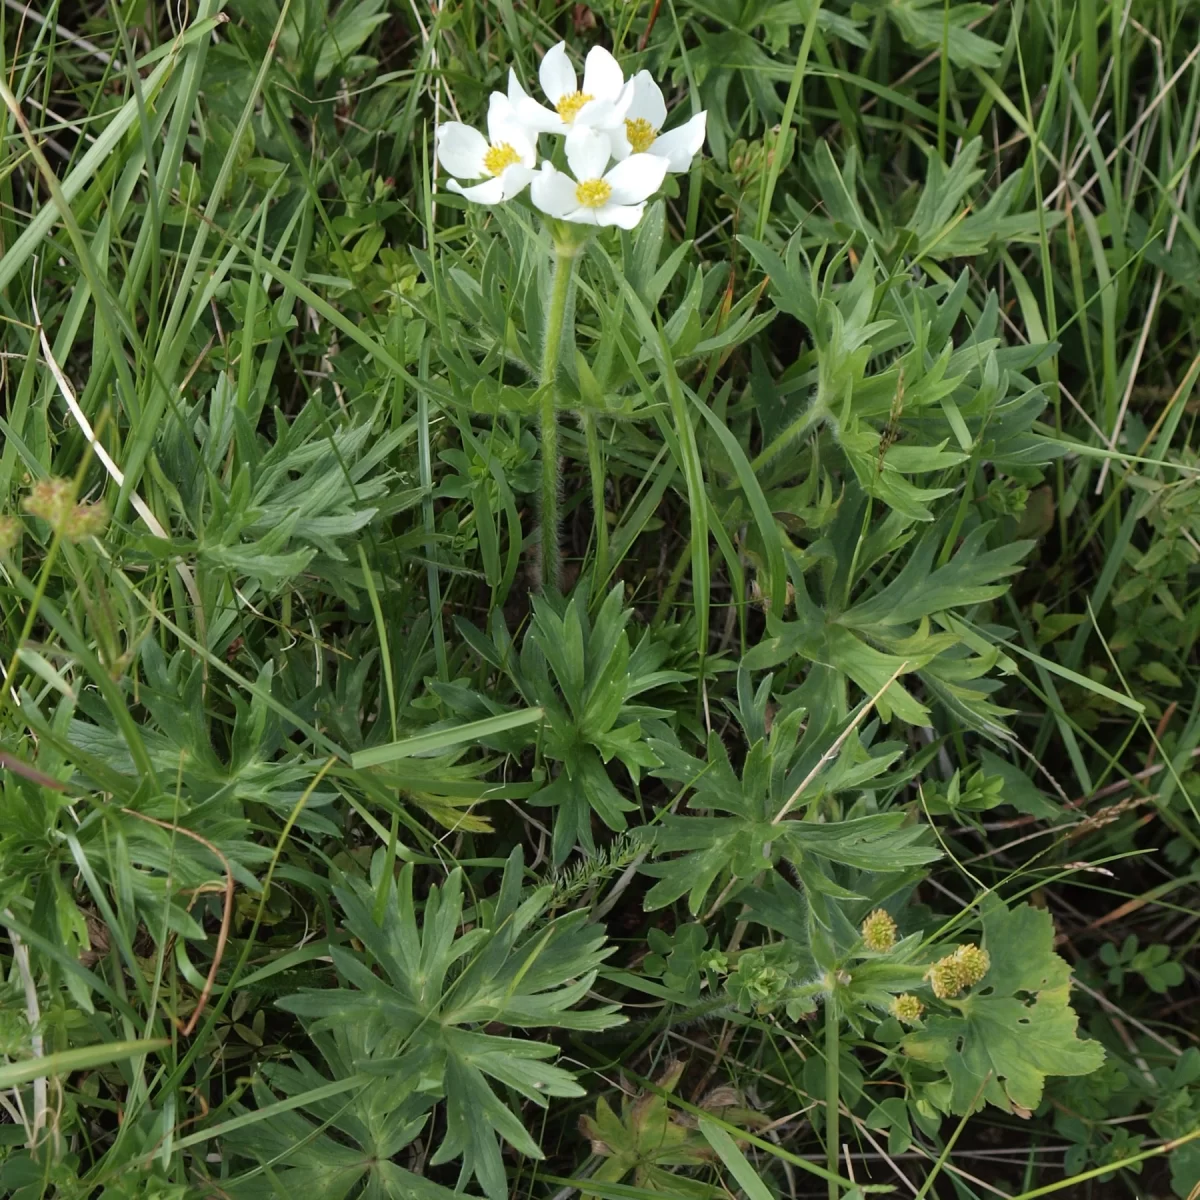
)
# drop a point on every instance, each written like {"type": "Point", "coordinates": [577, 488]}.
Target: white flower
{"type": "Point", "coordinates": [506, 156]}
{"type": "Point", "coordinates": [600, 104]}
{"type": "Point", "coordinates": [596, 196]}
{"type": "Point", "coordinates": [645, 117]}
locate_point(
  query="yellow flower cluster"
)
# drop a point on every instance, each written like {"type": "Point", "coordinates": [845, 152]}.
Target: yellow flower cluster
{"type": "Point", "coordinates": [962, 969]}
{"type": "Point", "coordinates": [907, 1008]}
{"type": "Point", "coordinates": [879, 931]}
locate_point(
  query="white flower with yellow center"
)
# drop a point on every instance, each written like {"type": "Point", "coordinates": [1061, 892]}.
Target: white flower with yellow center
{"type": "Point", "coordinates": [597, 196]}
{"type": "Point", "coordinates": [641, 130]}
{"type": "Point", "coordinates": [504, 159]}
{"type": "Point", "coordinates": [600, 103]}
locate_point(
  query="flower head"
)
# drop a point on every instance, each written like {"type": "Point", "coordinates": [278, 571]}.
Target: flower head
{"type": "Point", "coordinates": [10, 534]}
{"type": "Point", "coordinates": [641, 130]}
{"type": "Point", "coordinates": [962, 969]}
{"type": "Point", "coordinates": [504, 159]}
{"type": "Point", "coordinates": [600, 103]}
{"type": "Point", "coordinates": [907, 1008]}
{"type": "Point", "coordinates": [973, 962]}
{"type": "Point", "coordinates": [597, 196]}
{"type": "Point", "coordinates": [879, 931]}
{"type": "Point", "coordinates": [51, 499]}
{"type": "Point", "coordinates": [945, 977]}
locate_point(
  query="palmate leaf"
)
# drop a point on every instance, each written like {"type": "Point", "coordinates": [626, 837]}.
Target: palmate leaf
{"type": "Point", "coordinates": [750, 838]}
{"type": "Point", "coordinates": [924, 24]}
{"type": "Point", "coordinates": [421, 1016]}
{"type": "Point", "coordinates": [648, 1136]}
{"type": "Point", "coordinates": [374, 1123]}
{"type": "Point", "coordinates": [872, 639]}
{"type": "Point", "coordinates": [974, 574]}
{"type": "Point", "coordinates": [1018, 1027]}
{"type": "Point", "coordinates": [585, 674]}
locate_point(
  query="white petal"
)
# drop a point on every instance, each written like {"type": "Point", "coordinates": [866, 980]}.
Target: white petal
{"type": "Point", "coordinates": [515, 179]}
{"type": "Point", "coordinates": [537, 118]}
{"type": "Point", "coordinates": [606, 113]}
{"type": "Point", "coordinates": [679, 146]}
{"type": "Point", "coordinates": [491, 191]}
{"type": "Point", "coordinates": [582, 216]}
{"type": "Point", "coordinates": [516, 93]}
{"type": "Point", "coordinates": [553, 192]}
{"type": "Point", "coordinates": [618, 141]}
{"type": "Point", "coordinates": [505, 128]}
{"type": "Point", "coordinates": [534, 116]}
{"type": "Point", "coordinates": [587, 153]}
{"type": "Point", "coordinates": [624, 215]}
{"type": "Point", "coordinates": [648, 103]}
{"type": "Point", "coordinates": [556, 74]}
{"type": "Point", "coordinates": [602, 75]}
{"type": "Point", "coordinates": [500, 110]}
{"type": "Point", "coordinates": [637, 178]}
{"type": "Point", "coordinates": [461, 150]}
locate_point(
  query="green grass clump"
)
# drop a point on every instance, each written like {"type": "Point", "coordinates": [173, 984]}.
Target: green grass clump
{"type": "Point", "coordinates": [719, 719]}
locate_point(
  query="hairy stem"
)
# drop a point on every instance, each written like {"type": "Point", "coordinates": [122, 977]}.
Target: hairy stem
{"type": "Point", "coordinates": [596, 470]}
{"type": "Point", "coordinates": [832, 1080]}
{"type": "Point", "coordinates": [560, 291]}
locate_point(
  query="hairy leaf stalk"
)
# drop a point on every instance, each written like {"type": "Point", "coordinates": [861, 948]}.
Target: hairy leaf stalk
{"type": "Point", "coordinates": [560, 291]}
{"type": "Point", "coordinates": [832, 1099]}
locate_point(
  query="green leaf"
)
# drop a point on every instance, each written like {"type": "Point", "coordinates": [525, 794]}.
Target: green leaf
{"type": "Point", "coordinates": [748, 1178]}
{"type": "Point", "coordinates": [424, 1012]}
{"type": "Point", "coordinates": [1015, 1028]}
{"type": "Point", "coordinates": [13, 1074]}
{"type": "Point", "coordinates": [442, 739]}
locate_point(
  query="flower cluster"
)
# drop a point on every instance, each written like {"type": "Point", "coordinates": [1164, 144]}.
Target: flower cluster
{"type": "Point", "coordinates": [962, 969]}
{"type": "Point", "coordinates": [54, 502]}
{"type": "Point", "coordinates": [907, 1008]}
{"type": "Point", "coordinates": [10, 534]}
{"type": "Point", "coordinates": [614, 146]}
{"type": "Point", "coordinates": [879, 931]}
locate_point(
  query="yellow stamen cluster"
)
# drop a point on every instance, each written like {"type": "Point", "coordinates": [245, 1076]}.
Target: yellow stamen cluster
{"type": "Point", "coordinates": [641, 134]}
{"type": "Point", "coordinates": [962, 969]}
{"type": "Point", "coordinates": [907, 1008]}
{"type": "Point", "coordinates": [498, 157]}
{"type": "Point", "coordinates": [593, 193]}
{"type": "Point", "coordinates": [51, 500]}
{"type": "Point", "coordinates": [879, 931]}
{"type": "Point", "coordinates": [569, 106]}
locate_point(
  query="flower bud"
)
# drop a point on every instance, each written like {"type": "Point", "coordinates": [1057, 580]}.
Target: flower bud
{"type": "Point", "coordinates": [907, 1008]}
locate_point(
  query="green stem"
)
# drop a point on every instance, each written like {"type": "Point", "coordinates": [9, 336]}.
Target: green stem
{"type": "Point", "coordinates": [596, 470]}
{"type": "Point", "coordinates": [560, 290]}
{"type": "Point", "coordinates": [832, 1080]}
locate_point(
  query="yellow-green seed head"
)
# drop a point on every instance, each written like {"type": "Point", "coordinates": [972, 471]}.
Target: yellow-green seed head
{"type": "Point", "coordinates": [51, 500]}
{"type": "Point", "coordinates": [972, 962]}
{"type": "Point", "coordinates": [907, 1008]}
{"type": "Point", "coordinates": [10, 534]}
{"type": "Point", "coordinates": [946, 978]}
{"type": "Point", "coordinates": [85, 521]}
{"type": "Point", "coordinates": [879, 931]}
